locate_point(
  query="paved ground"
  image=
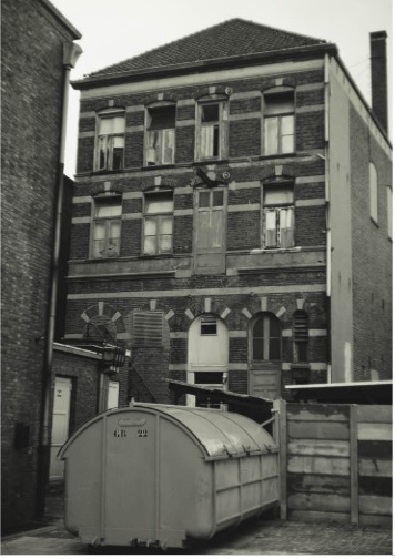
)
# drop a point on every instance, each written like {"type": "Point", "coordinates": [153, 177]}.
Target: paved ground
{"type": "Point", "coordinates": [260, 537]}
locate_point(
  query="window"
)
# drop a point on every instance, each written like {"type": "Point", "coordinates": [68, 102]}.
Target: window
{"type": "Point", "coordinates": [300, 334]}
{"type": "Point", "coordinates": [110, 141]}
{"type": "Point", "coordinates": [279, 122]}
{"type": "Point", "coordinates": [208, 326]}
{"type": "Point", "coordinates": [147, 328]}
{"type": "Point", "coordinates": [158, 224]}
{"type": "Point", "coordinates": [266, 338]}
{"type": "Point", "coordinates": [160, 135]}
{"type": "Point", "coordinates": [373, 192]}
{"type": "Point", "coordinates": [278, 216]}
{"type": "Point", "coordinates": [210, 130]}
{"type": "Point", "coordinates": [106, 228]}
{"type": "Point", "coordinates": [389, 211]}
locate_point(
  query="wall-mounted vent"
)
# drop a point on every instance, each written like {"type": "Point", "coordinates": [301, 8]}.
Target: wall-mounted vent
{"type": "Point", "coordinates": [147, 329]}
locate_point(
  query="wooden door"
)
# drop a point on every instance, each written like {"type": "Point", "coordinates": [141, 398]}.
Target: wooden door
{"type": "Point", "coordinates": [210, 231]}
{"type": "Point", "coordinates": [265, 381]}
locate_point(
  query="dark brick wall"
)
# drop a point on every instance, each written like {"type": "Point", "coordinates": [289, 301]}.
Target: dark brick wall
{"type": "Point", "coordinates": [245, 137]}
{"type": "Point", "coordinates": [32, 89]}
{"type": "Point", "coordinates": [243, 230]}
{"type": "Point", "coordinates": [185, 144]}
{"type": "Point", "coordinates": [372, 258]}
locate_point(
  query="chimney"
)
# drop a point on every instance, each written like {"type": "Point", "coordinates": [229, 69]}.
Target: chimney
{"type": "Point", "coordinates": [378, 57]}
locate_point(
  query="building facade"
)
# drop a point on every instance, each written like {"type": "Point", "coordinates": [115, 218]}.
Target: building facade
{"type": "Point", "coordinates": [38, 51]}
{"type": "Point", "coordinates": [232, 216]}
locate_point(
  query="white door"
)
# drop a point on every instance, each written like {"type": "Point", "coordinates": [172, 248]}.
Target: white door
{"type": "Point", "coordinates": [113, 395]}
{"type": "Point", "coordinates": [207, 353]}
{"type": "Point", "coordinates": [60, 424]}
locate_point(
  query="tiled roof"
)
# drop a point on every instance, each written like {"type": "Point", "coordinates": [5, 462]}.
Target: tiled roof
{"type": "Point", "coordinates": [232, 38]}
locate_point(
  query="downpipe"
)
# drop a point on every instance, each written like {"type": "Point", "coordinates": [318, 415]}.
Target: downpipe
{"type": "Point", "coordinates": [71, 53]}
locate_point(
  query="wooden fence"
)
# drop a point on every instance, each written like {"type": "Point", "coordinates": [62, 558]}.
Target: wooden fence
{"type": "Point", "coordinates": [336, 463]}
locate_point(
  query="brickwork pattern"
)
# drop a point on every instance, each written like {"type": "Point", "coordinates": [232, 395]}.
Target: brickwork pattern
{"type": "Point", "coordinates": [32, 85]}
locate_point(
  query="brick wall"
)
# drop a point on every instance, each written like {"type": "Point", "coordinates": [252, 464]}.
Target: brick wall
{"type": "Point", "coordinates": [32, 84]}
{"type": "Point", "coordinates": [372, 258]}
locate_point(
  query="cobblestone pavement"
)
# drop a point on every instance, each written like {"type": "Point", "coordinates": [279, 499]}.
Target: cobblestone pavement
{"type": "Point", "coordinates": [262, 537]}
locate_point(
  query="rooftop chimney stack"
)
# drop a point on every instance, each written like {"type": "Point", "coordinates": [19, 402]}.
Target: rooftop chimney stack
{"type": "Point", "coordinates": [378, 58]}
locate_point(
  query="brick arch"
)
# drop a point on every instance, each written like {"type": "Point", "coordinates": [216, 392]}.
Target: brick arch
{"type": "Point", "coordinates": [158, 98]}
{"type": "Point", "coordinates": [97, 189]}
{"type": "Point", "coordinates": [208, 92]}
{"type": "Point", "coordinates": [106, 310]}
{"type": "Point", "coordinates": [271, 83]}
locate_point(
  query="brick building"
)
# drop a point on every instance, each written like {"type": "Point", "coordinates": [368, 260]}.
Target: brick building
{"type": "Point", "coordinates": [232, 214]}
{"type": "Point", "coordinates": [37, 54]}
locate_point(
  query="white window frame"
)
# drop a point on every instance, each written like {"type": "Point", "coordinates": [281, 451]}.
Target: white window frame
{"type": "Point", "coordinates": [279, 211]}
{"type": "Point", "coordinates": [159, 218]}
{"type": "Point", "coordinates": [221, 123]}
{"type": "Point", "coordinates": [279, 121]}
{"type": "Point", "coordinates": [109, 141]}
{"type": "Point", "coordinates": [159, 144]}
{"type": "Point", "coordinates": [110, 249]}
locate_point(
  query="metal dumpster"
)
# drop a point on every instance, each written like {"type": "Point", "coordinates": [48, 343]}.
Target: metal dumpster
{"type": "Point", "coordinates": [156, 475]}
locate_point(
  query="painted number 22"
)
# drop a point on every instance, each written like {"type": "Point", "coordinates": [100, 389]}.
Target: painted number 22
{"type": "Point", "coordinates": [142, 432]}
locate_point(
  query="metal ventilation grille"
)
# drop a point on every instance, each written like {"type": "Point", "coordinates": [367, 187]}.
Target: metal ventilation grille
{"type": "Point", "coordinates": [300, 327]}
{"type": "Point", "coordinates": [147, 329]}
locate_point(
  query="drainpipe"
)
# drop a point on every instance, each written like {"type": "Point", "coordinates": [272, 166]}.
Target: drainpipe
{"type": "Point", "coordinates": [71, 53]}
{"type": "Point", "coordinates": [328, 226]}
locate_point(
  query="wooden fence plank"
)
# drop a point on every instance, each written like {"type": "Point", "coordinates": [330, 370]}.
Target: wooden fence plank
{"type": "Point", "coordinates": [375, 431]}
{"type": "Point", "coordinates": [318, 430]}
{"type": "Point", "coordinates": [316, 447]}
{"type": "Point", "coordinates": [375, 449]}
{"type": "Point", "coordinates": [373, 467]}
{"type": "Point", "coordinates": [319, 516]}
{"type": "Point", "coordinates": [319, 465]}
{"type": "Point", "coordinates": [379, 486]}
{"type": "Point", "coordinates": [321, 412]}
{"type": "Point", "coordinates": [354, 464]}
{"type": "Point", "coordinates": [370, 504]}
{"type": "Point", "coordinates": [314, 502]}
{"type": "Point", "coordinates": [310, 483]}
{"type": "Point", "coordinates": [374, 414]}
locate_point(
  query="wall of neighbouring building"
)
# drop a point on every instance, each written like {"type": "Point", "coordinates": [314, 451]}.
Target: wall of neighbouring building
{"type": "Point", "coordinates": [32, 83]}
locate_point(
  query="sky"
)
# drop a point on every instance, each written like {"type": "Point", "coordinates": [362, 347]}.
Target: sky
{"type": "Point", "coordinates": [115, 30]}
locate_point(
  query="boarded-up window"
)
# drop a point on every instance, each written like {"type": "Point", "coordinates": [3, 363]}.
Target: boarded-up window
{"type": "Point", "coordinates": [147, 329]}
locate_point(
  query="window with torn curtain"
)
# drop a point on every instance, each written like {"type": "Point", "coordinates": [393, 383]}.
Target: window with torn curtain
{"type": "Point", "coordinates": [278, 217]}
{"type": "Point", "coordinates": [210, 132]}
{"type": "Point", "coordinates": [158, 223]}
{"type": "Point", "coordinates": [160, 135]}
{"type": "Point", "coordinates": [110, 141]}
{"type": "Point", "coordinates": [106, 228]}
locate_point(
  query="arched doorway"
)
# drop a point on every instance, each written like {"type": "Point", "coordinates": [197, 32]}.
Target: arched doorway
{"type": "Point", "coordinates": [207, 357]}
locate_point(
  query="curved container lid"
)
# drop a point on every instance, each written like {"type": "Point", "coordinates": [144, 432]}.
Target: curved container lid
{"type": "Point", "coordinates": [220, 433]}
